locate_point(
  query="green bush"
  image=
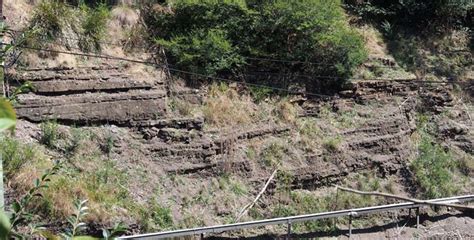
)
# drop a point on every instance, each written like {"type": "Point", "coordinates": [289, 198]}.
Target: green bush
{"type": "Point", "coordinates": [433, 168]}
{"type": "Point", "coordinates": [14, 155]}
{"type": "Point", "coordinates": [204, 52]}
{"type": "Point", "coordinates": [224, 38]}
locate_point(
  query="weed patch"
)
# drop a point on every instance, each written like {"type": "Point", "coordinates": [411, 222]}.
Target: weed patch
{"type": "Point", "coordinates": [15, 155]}
{"type": "Point", "coordinates": [272, 155]}
{"type": "Point", "coordinates": [49, 134]}
{"type": "Point", "coordinates": [433, 169]}
{"type": "Point", "coordinates": [332, 144]}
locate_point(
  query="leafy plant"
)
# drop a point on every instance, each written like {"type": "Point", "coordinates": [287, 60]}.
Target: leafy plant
{"type": "Point", "coordinates": [24, 88]}
{"type": "Point", "coordinates": [119, 228]}
{"type": "Point", "coordinates": [20, 207]}
{"type": "Point", "coordinates": [48, 21]}
{"type": "Point", "coordinates": [156, 217]}
{"type": "Point", "coordinates": [433, 169]}
{"type": "Point", "coordinates": [7, 115]}
{"type": "Point", "coordinates": [49, 134]}
{"type": "Point", "coordinates": [223, 37]}
{"type": "Point", "coordinates": [272, 155]}
{"type": "Point", "coordinates": [332, 144]}
{"type": "Point", "coordinates": [75, 220]}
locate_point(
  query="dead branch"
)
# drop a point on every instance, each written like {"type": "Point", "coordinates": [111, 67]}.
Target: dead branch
{"type": "Point", "coordinates": [387, 195]}
{"type": "Point", "coordinates": [250, 205]}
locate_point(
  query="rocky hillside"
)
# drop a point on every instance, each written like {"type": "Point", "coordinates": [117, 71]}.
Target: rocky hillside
{"type": "Point", "coordinates": [155, 152]}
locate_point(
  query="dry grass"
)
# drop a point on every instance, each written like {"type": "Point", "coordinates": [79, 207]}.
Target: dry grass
{"type": "Point", "coordinates": [85, 174]}
{"type": "Point", "coordinates": [18, 12]}
{"type": "Point", "coordinates": [226, 107]}
{"type": "Point", "coordinates": [124, 16]}
{"type": "Point", "coordinates": [373, 41]}
{"type": "Point", "coordinates": [286, 111]}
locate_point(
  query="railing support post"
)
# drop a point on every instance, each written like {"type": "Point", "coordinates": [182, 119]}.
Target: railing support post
{"type": "Point", "coordinates": [202, 236]}
{"type": "Point", "coordinates": [351, 214]}
{"type": "Point", "coordinates": [417, 217]}
{"type": "Point", "coordinates": [288, 232]}
{"type": "Point", "coordinates": [350, 226]}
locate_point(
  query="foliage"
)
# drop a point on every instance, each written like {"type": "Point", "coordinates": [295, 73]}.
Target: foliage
{"type": "Point", "coordinates": [204, 52]}
{"type": "Point", "coordinates": [118, 228]}
{"type": "Point", "coordinates": [55, 20]}
{"type": "Point", "coordinates": [49, 134]}
{"type": "Point", "coordinates": [306, 202]}
{"type": "Point", "coordinates": [14, 155]}
{"type": "Point", "coordinates": [221, 37]}
{"type": "Point", "coordinates": [156, 217]}
{"type": "Point", "coordinates": [433, 168]}
{"type": "Point", "coordinates": [260, 93]}
{"type": "Point", "coordinates": [81, 210]}
{"type": "Point", "coordinates": [48, 21]}
{"type": "Point", "coordinates": [23, 88]}
{"type": "Point", "coordinates": [21, 213]}
{"type": "Point", "coordinates": [7, 115]}
{"type": "Point", "coordinates": [272, 155]}
{"type": "Point", "coordinates": [414, 13]}
{"type": "Point", "coordinates": [332, 144]}
{"type": "Point", "coordinates": [94, 25]}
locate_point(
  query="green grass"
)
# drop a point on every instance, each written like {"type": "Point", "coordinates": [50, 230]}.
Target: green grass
{"type": "Point", "coordinates": [156, 217]}
{"type": "Point", "coordinates": [332, 144]}
{"type": "Point", "coordinates": [15, 155]}
{"type": "Point", "coordinates": [49, 134]}
{"type": "Point", "coordinates": [94, 26]}
{"type": "Point", "coordinates": [434, 169]}
{"type": "Point", "coordinates": [272, 155]}
{"type": "Point", "coordinates": [306, 202]}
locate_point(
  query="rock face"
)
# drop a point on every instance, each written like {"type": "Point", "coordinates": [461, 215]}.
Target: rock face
{"type": "Point", "coordinates": [181, 145]}
{"type": "Point", "coordinates": [91, 95]}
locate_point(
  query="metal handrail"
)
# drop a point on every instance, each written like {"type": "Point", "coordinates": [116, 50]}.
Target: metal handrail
{"type": "Point", "coordinates": [295, 219]}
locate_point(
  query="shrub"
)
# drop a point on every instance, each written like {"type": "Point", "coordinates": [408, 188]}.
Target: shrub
{"type": "Point", "coordinates": [433, 169]}
{"type": "Point", "coordinates": [220, 37]}
{"type": "Point", "coordinates": [413, 13]}
{"type": "Point", "coordinates": [53, 20]}
{"type": "Point", "coordinates": [206, 52]}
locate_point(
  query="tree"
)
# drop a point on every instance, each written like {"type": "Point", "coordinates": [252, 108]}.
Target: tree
{"type": "Point", "coordinates": [224, 38]}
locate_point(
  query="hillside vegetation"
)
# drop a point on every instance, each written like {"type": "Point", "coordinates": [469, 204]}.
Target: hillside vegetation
{"type": "Point", "coordinates": [173, 114]}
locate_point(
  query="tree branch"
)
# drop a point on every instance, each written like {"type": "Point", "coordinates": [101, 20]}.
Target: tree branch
{"type": "Point", "coordinates": [387, 195]}
{"type": "Point", "coordinates": [250, 205]}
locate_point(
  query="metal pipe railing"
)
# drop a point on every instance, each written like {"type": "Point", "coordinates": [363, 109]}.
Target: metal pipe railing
{"type": "Point", "coordinates": [295, 219]}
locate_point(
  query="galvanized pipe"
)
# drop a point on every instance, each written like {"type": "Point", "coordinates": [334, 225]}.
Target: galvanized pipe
{"type": "Point", "coordinates": [293, 219]}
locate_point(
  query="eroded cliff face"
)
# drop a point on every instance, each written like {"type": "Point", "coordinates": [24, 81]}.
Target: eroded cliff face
{"type": "Point", "coordinates": [172, 159]}
{"type": "Point", "coordinates": [106, 95]}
